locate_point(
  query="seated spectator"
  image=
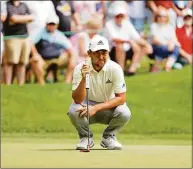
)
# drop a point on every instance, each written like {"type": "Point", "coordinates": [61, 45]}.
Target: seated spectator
{"type": "Point", "coordinates": [125, 41]}
{"type": "Point", "coordinates": [54, 48]}
{"type": "Point", "coordinates": [81, 43]}
{"type": "Point", "coordinates": [164, 41]}
{"type": "Point", "coordinates": [17, 46]}
{"type": "Point", "coordinates": [109, 7]}
{"type": "Point", "coordinates": [184, 36]}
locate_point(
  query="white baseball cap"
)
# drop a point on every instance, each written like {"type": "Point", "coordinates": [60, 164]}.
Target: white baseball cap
{"type": "Point", "coordinates": [119, 10]}
{"type": "Point", "coordinates": [187, 12]}
{"type": "Point", "coordinates": [98, 42]}
{"type": "Point", "coordinates": [53, 19]}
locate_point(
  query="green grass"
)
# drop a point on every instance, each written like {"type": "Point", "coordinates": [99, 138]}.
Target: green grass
{"type": "Point", "coordinates": [160, 104]}
{"type": "Point", "coordinates": [61, 153]}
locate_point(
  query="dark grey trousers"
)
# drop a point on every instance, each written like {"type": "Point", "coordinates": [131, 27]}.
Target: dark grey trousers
{"type": "Point", "coordinates": [115, 118]}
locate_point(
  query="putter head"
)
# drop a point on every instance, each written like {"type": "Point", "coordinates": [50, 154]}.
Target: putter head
{"type": "Point", "coordinates": [86, 150]}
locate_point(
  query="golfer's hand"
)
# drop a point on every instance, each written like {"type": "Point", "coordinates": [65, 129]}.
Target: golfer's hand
{"type": "Point", "coordinates": [85, 69]}
{"type": "Point", "coordinates": [83, 111]}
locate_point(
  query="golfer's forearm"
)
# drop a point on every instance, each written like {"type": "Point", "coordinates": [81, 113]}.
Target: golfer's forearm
{"type": "Point", "coordinates": [79, 94]}
{"type": "Point", "coordinates": [110, 104]}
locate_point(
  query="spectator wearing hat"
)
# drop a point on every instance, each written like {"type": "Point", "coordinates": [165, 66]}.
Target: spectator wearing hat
{"type": "Point", "coordinates": [17, 46]}
{"type": "Point", "coordinates": [54, 48]}
{"type": "Point", "coordinates": [125, 41]}
{"type": "Point", "coordinates": [81, 43]}
{"type": "Point", "coordinates": [184, 36]}
{"type": "Point", "coordinates": [164, 41]}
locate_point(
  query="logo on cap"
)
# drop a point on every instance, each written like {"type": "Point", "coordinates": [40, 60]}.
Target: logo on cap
{"type": "Point", "coordinates": [100, 43]}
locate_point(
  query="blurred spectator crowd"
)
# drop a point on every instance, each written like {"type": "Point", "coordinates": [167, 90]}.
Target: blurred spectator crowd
{"type": "Point", "coordinates": [41, 39]}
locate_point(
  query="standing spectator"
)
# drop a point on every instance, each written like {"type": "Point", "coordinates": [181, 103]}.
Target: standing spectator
{"type": "Point", "coordinates": [17, 46]}
{"type": "Point", "coordinates": [41, 10]}
{"type": "Point", "coordinates": [164, 40]}
{"type": "Point", "coordinates": [125, 41]}
{"type": "Point", "coordinates": [154, 5]}
{"type": "Point", "coordinates": [54, 48]}
{"type": "Point", "coordinates": [3, 18]}
{"type": "Point", "coordinates": [137, 14]}
{"type": "Point", "coordinates": [81, 43]}
{"type": "Point", "coordinates": [185, 35]}
{"type": "Point", "coordinates": [66, 13]}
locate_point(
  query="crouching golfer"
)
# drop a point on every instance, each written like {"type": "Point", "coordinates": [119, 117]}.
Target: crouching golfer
{"type": "Point", "coordinates": [107, 95]}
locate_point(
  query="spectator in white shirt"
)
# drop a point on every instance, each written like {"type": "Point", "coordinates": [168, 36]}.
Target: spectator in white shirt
{"type": "Point", "coordinates": [125, 41]}
{"type": "Point", "coordinates": [164, 40]}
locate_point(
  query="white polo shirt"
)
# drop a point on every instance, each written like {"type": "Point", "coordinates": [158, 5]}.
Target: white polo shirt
{"type": "Point", "coordinates": [103, 84]}
{"type": "Point", "coordinates": [125, 32]}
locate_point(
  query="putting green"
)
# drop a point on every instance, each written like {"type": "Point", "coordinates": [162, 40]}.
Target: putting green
{"type": "Point", "coordinates": [57, 154]}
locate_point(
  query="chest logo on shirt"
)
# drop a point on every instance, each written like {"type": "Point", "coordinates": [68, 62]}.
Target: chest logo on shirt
{"type": "Point", "coordinates": [108, 81]}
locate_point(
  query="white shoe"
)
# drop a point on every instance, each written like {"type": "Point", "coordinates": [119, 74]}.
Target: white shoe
{"type": "Point", "coordinates": [111, 143]}
{"type": "Point", "coordinates": [83, 143]}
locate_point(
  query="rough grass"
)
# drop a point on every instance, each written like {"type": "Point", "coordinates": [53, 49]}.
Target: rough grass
{"type": "Point", "coordinates": [160, 103]}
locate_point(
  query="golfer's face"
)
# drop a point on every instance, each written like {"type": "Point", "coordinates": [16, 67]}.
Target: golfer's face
{"type": "Point", "coordinates": [99, 58]}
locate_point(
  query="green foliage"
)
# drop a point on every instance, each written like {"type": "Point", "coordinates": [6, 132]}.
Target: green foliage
{"type": "Point", "coordinates": [160, 103]}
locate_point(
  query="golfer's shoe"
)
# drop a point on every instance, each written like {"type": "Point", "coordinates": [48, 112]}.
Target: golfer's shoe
{"type": "Point", "coordinates": [83, 143]}
{"type": "Point", "coordinates": [111, 143]}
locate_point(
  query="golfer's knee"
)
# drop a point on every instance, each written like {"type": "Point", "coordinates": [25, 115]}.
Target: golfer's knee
{"type": "Point", "coordinates": [123, 113]}
{"type": "Point", "coordinates": [72, 112]}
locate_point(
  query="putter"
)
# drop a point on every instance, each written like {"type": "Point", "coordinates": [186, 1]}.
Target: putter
{"type": "Point", "coordinates": [87, 86]}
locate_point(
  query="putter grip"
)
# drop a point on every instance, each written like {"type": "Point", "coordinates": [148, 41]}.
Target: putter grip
{"type": "Point", "coordinates": [87, 81]}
